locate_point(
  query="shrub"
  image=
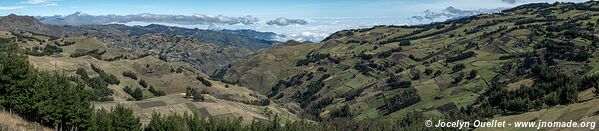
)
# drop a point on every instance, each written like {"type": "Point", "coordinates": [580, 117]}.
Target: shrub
{"type": "Point", "coordinates": [204, 81]}
{"type": "Point", "coordinates": [143, 83]}
{"type": "Point", "coordinates": [156, 92]}
{"type": "Point", "coordinates": [458, 67]}
{"type": "Point", "coordinates": [130, 74]}
{"type": "Point", "coordinates": [137, 94]}
{"type": "Point", "coordinates": [472, 74]}
{"type": "Point", "coordinates": [428, 71]}
{"type": "Point", "coordinates": [461, 56]}
{"type": "Point", "coordinates": [108, 78]}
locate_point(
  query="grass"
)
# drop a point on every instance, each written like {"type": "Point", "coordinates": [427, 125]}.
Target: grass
{"type": "Point", "coordinates": [13, 122]}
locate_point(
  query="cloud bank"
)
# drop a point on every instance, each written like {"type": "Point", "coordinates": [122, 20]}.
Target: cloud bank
{"type": "Point", "coordinates": [79, 18]}
{"type": "Point", "coordinates": [509, 1]}
{"type": "Point", "coordinates": [451, 13]}
{"type": "Point", "coordinates": [281, 21]}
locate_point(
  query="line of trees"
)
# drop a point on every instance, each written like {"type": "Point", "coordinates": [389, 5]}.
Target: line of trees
{"type": "Point", "coordinates": [109, 78]}
{"type": "Point", "coordinates": [204, 81]}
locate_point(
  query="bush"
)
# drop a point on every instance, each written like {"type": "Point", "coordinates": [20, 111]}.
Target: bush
{"type": "Point", "coordinates": [137, 94]}
{"type": "Point", "coordinates": [260, 102]}
{"type": "Point", "coordinates": [438, 72]}
{"type": "Point", "coordinates": [143, 83]}
{"type": "Point", "coordinates": [312, 57]}
{"type": "Point", "coordinates": [416, 76]}
{"type": "Point", "coordinates": [344, 111]}
{"type": "Point", "coordinates": [130, 74]}
{"type": "Point", "coordinates": [428, 71]}
{"type": "Point", "coordinates": [459, 78]}
{"type": "Point", "coordinates": [194, 94]}
{"type": "Point", "coordinates": [94, 53]}
{"type": "Point", "coordinates": [204, 81]}
{"type": "Point", "coordinates": [108, 78]}
{"type": "Point", "coordinates": [461, 56]}
{"type": "Point", "coordinates": [472, 74]}
{"type": "Point", "coordinates": [46, 51]}
{"type": "Point", "coordinates": [405, 43]}
{"type": "Point", "coordinates": [403, 99]}
{"type": "Point", "coordinates": [156, 92]}
{"type": "Point", "coordinates": [458, 67]}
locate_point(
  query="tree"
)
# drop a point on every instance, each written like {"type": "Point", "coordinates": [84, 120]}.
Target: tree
{"type": "Point", "coordinates": [416, 76]}
{"type": "Point", "coordinates": [124, 120]}
{"type": "Point", "coordinates": [50, 98]}
{"type": "Point", "coordinates": [344, 111]}
{"type": "Point", "coordinates": [82, 73]}
{"type": "Point", "coordinates": [130, 74]}
{"type": "Point", "coordinates": [405, 43]}
{"type": "Point", "coordinates": [156, 92]}
{"type": "Point", "coordinates": [143, 83]}
{"type": "Point", "coordinates": [101, 120]}
{"type": "Point", "coordinates": [108, 78]}
{"type": "Point", "coordinates": [168, 123]}
{"type": "Point", "coordinates": [128, 90]}
{"type": "Point", "coordinates": [197, 96]}
{"type": "Point", "coordinates": [428, 71]}
{"type": "Point", "coordinates": [194, 93]}
{"type": "Point", "coordinates": [472, 74]}
{"type": "Point", "coordinates": [188, 92]}
{"type": "Point", "coordinates": [137, 94]}
{"type": "Point", "coordinates": [459, 78]}
{"type": "Point", "coordinates": [458, 67]}
{"type": "Point", "coordinates": [438, 72]}
{"type": "Point", "coordinates": [204, 81]}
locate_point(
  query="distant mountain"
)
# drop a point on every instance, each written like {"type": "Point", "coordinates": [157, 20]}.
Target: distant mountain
{"type": "Point", "coordinates": [23, 23]}
{"type": "Point", "coordinates": [270, 36]}
{"type": "Point", "coordinates": [252, 40]}
{"type": "Point", "coordinates": [79, 18]}
{"type": "Point", "coordinates": [208, 36]}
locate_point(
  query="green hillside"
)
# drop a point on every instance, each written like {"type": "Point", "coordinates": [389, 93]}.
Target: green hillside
{"type": "Point", "coordinates": [542, 55]}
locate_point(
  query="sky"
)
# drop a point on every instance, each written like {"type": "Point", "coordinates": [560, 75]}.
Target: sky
{"type": "Point", "coordinates": [259, 8]}
{"type": "Point", "coordinates": [320, 14]}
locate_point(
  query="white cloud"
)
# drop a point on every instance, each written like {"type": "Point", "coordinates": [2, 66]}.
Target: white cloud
{"type": "Point", "coordinates": [79, 18]}
{"type": "Point", "coordinates": [35, 2]}
{"type": "Point", "coordinates": [40, 2]}
{"type": "Point", "coordinates": [10, 7]}
{"type": "Point", "coordinates": [281, 21]}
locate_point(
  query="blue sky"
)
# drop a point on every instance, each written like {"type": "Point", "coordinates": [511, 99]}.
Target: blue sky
{"type": "Point", "coordinates": [259, 8]}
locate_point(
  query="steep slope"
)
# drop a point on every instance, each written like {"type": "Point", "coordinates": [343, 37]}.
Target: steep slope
{"type": "Point", "coordinates": [388, 71]}
{"type": "Point", "coordinates": [75, 56]}
{"type": "Point", "coordinates": [260, 70]}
